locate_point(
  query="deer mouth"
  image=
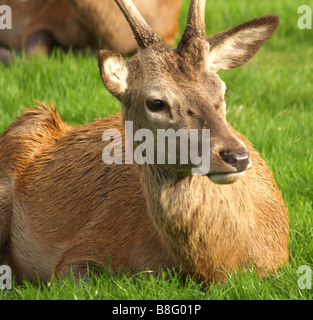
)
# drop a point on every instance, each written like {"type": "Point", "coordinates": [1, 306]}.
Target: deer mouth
{"type": "Point", "coordinates": [226, 178]}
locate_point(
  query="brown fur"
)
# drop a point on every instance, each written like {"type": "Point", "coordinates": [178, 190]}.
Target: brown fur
{"type": "Point", "coordinates": [67, 208]}
{"type": "Point", "coordinates": [62, 207]}
{"type": "Point", "coordinates": [39, 25]}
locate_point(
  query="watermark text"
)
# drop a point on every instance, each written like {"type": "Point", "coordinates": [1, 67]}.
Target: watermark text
{"type": "Point", "coordinates": [5, 17]}
{"type": "Point", "coordinates": [5, 277]}
{"type": "Point", "coordinates": [305, 20]}
{"type": "Point", "coordinates": [305, 280]}
{"type": "Point", "coordinates": [161, 148]}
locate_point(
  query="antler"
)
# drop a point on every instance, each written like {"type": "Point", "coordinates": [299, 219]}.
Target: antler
{"type": "Point", "coordinates": [143, 33]}
{"type": "Point", "coordinates": [195, 23]}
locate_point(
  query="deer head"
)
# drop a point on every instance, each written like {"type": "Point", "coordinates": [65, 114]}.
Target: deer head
{"type": "Point", "coordinates": [179, 88]}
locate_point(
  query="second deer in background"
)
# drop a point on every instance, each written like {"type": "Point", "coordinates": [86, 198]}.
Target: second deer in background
{"type": "Point", "coordinates": [40, 25]}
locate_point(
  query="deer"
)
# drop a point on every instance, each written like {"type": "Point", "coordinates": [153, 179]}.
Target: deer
{"type": "Point", "coordinates": [62, 209]}
{"type": "Point", "coordinates": [41, 25]}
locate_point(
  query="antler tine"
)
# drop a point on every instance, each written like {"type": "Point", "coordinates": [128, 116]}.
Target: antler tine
{"type": "Point", "coordinates": [143, 33]}
{"type": "Point", "coordinates": [195, 23]}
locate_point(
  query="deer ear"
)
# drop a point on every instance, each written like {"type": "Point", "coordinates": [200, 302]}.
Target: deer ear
{"type": "Point", "coordinates": [234, 47]}
{"type": "Point", "coordinates": [113, 71]}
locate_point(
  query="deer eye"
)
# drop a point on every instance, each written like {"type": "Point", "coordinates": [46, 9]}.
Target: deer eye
{"type": "Point", "coordinates": [155, 105]}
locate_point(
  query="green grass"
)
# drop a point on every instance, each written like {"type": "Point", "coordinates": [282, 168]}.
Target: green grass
{"type": "Point", "coordinates": [270, 100]}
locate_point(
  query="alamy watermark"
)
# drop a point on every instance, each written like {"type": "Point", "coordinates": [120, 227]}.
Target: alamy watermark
{"type": "Point", "coordinates": [5, 17]}
{"type": "Point", "coordinates": [305, 20]}
{"type": "Point", "coordinates": [146, 153]}
{"type": "Point", "coordinates": [305, 280]}
{"type": "Point", "coordinates": [5, 277]}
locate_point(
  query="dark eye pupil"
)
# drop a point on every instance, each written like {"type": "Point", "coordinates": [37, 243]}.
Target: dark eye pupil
{"type": "Point", "coordinates": [155, 105]}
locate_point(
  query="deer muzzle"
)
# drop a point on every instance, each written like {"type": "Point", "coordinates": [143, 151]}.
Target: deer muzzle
{"type": "Point", "coordinates": [239, 162]}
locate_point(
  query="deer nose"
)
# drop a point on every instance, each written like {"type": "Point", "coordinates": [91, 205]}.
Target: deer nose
{"type": "Point", "coordinates": [238, 161]}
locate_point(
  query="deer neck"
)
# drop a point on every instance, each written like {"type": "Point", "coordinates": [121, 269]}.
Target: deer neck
{"type": "Point", "coordinates": [176, 212]}
{"type": "Point", "coordinates": [193, 217]}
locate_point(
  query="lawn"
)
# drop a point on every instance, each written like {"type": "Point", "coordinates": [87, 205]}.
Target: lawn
{"type": "Point", "coordinates": [270, 100]}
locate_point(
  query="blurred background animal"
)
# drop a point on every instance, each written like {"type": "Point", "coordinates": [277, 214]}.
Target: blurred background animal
{"type": "Point", "coordinates": [40, 25]}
